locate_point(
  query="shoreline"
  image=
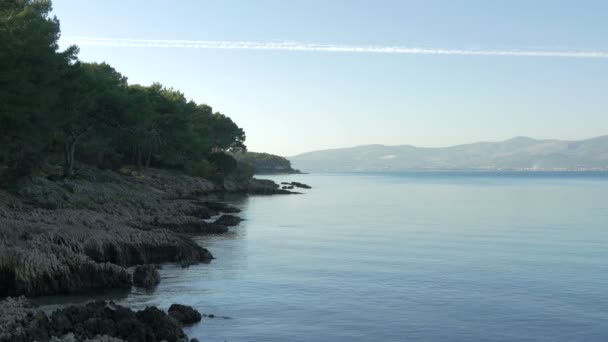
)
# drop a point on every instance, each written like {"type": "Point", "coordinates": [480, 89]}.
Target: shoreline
{"type": "Point", "coordinates": [79, 236]}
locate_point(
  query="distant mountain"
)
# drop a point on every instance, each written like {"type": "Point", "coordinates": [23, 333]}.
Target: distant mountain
{"type": "Point", "coordinates": [519, 153]}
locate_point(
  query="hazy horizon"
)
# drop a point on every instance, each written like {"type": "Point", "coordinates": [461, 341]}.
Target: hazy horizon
{"type": "Point", "coordinates": [313, 75]}
{"type": "Point", "coordinates": [447, 146]}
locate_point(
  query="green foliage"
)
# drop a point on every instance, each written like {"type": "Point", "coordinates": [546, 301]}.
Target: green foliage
{"type": "Point", "coordinates": [224, 163]}
{"type": "Point", "coordinates": [226, 134]}
{"type": "Point", "coordinates": [31, 74]}
{"type": "Point", "coordinates": [243, 172]}
{"type": "Point", "coordinates": [53, 107]}
{"type": "Point", "coordinates": [202, 168]}
{"type": "Point", "coordinates": [265, 163]}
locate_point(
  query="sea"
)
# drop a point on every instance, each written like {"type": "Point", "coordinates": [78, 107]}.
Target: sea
{"type": "Point", "coordinates": [428, 256]}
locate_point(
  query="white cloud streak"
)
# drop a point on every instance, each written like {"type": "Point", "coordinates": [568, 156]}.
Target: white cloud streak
{"type": "Point", "coordinates": [295, 46]}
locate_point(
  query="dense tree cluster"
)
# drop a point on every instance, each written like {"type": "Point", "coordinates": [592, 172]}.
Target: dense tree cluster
{"type": "Point", "coordinates": [57, 109]}
{"type": "Point", "coordinates": [265, 163]}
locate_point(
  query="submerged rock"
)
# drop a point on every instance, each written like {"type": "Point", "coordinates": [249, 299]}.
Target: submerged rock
{"type": "Point", "coordinates": [228, 220]}
{"type": "Point", "coordinates": [184, 314]}
{"type": "Point", "coordinates": [146, 276]}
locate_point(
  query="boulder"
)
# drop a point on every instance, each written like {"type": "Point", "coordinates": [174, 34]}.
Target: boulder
{"type": "Point", "coordinates": [184, 314]}
{"type": "Point", "coordinates": [146, 276]}
{"type": "Point", "coordinates": [228, 220]}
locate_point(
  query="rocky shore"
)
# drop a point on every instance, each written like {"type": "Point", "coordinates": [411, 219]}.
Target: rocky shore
{"type": "Point", "coordinates": [74, 235]}
{"type": "Point", "coordinates": [22, 321]}
{"type": "Point", "coordinates": [78, 235]}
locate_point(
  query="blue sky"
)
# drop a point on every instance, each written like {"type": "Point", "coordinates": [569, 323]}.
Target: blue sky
{"type": "Point", "coordinates": [290, 102]}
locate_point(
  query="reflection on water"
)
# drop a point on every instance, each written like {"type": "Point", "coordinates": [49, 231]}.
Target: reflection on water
{"type": "Point", "coordinates": [417, 257]}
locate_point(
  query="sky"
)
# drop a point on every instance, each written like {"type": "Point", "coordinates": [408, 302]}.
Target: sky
{"type": "Point", "coordinates": [305, 75]}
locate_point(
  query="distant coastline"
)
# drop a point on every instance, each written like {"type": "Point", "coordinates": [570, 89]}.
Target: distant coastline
{"type": "Point", "coordinates": [464, 171]}
{"type": "Point", "coordinates": [519, 154]}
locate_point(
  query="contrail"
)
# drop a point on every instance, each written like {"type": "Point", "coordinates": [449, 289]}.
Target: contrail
{"type": "Point", "coordinates": [295, 46]}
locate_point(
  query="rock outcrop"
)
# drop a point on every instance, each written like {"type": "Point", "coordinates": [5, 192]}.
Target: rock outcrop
{"type": "Point", "coordinates": [184, 314]}
{"type": "Point", "coordinates": [146, 276]}
{"type": "Point", "coordinates": [221, 207]}
{"type": "Point", "coordinates": [257, 187]}
{"type": "Point", "coordinates": [75, 235]}
{"type": "Point", "coordinates": [80, 234]}
{"type": "Point", "coordinates": [298, 185]}
{"type": "Point", "coordinates": [21, 321]}
{"type": "Point", "coordinates": [115, 321]}
{"type": "Point", "coordinates": [228, 220]}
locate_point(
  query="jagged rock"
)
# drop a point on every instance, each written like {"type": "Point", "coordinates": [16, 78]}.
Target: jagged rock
{"type": "Point", "coordinates": [100, 320]}
{"type": "Point", "coordinates": [256, 187]}
{"type": "Point", "coordinates": [21, 321]}
{"type": "Point", "coordinates": [222, 207]}
{"type": "Point", "coordinates": [74, 235]}
{"type": "Point", "coordinates": [301, 185]}
{"type": "Point", "coordinates": [146, 276]}
{"type": "Point", "coordinates": [184, 314]}
{"type": "Point", "coordinates": [228, 220]}
{"type": "Point", "coordinates": [188, 225]}
{"type": "Point", "coordinates": [163, 326]}
{"type": "Point", "coordinates": [53, 269]}
{"type": "Point", "coordinates": [99, 338]}
{"type": "Point", "coordinates": [45, 252]}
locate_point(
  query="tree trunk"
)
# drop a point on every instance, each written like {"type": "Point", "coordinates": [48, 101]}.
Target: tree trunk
{"type": "Point", "coordinates": [69, 148]}
{"type": "Point", "coordinates": [148, 159]}
{"type": "Point", "coordinates": [139, 157]}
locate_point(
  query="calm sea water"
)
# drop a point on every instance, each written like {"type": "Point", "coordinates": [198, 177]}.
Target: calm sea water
{"type": "Point", "coordinates": [407, 257]}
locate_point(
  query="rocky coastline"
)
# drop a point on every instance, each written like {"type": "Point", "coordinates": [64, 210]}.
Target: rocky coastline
{"type": "Point", "coordinates": [98, 321]}
{"type": "Point", "coordinates": [62, 236]}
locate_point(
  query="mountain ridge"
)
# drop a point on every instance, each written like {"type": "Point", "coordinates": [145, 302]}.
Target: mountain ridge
{"type": "Point", "coordinates": [518, 153]}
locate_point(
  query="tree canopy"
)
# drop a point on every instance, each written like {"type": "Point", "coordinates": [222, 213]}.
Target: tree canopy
{"type": "Point", "coordinates": [55, 108]}
{"type": "Point", "coordinates": [265, 163]}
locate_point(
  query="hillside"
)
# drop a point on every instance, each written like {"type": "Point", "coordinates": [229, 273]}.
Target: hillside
{"type": "Point", "coordinates": [519, 153]}
{"type": "Point", "coordinates": [265, 163]}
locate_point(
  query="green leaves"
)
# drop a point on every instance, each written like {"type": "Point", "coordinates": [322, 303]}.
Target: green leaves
{"type": "Point", "coordinates": [53, 107]}
{"type": "Point", "coordinates": [30, 82]}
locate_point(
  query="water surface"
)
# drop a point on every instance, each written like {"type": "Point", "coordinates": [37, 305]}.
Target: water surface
{"type": "Point", "coordinates": [407, 256]}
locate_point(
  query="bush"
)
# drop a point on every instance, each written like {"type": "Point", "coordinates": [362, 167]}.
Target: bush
{"type": "Point", "coordinates": [224, 163]}
{"type": "Point", "coordinates": [243, 172]}
{"type": "Point", "coordinates": [201, 168]}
